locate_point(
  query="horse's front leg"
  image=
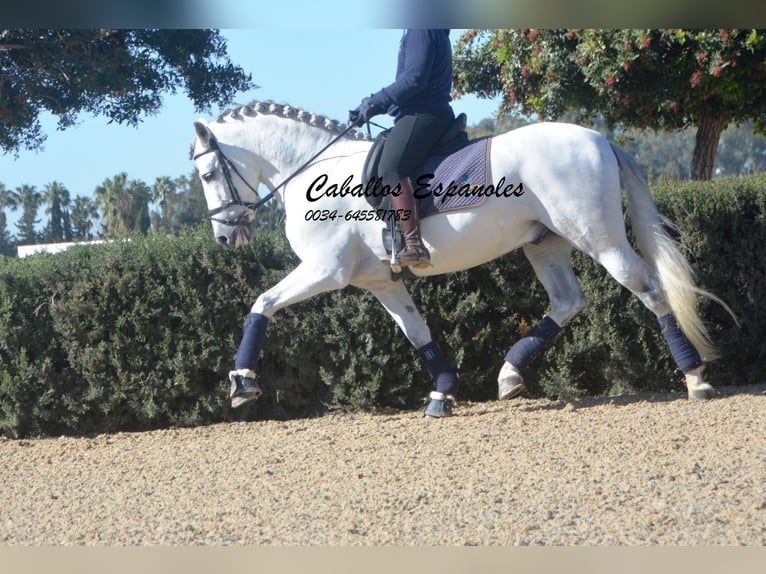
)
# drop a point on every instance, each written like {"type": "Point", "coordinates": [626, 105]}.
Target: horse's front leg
{"type": "Point", "coordinates": [398, 302]}
{"type": "Point", "coordinates": [303, 282]}
{"type": "Point", "coordinates": [551, 261]}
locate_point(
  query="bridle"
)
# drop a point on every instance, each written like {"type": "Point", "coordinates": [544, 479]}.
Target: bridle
{"type": "Point", "coordinates": [235, 199]}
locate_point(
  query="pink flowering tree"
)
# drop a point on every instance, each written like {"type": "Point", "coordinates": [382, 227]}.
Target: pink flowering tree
{"type": "Point", "coordinates": [656, 79]}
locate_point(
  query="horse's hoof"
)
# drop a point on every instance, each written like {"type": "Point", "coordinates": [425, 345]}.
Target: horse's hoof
{"type": "Point", "coordinates": [244, 387]}
{"type": "Point", "coordinates": [703, 392]}
{"type": "Point", "coordinates": [510, 383]}
{"type": "Point", "coordinates": [439, 405]}
{"type": "Point", "coordinates": [698, 389]}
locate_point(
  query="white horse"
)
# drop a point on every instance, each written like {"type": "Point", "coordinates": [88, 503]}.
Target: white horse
{"type": "Point", "coordinates": [572, 199]}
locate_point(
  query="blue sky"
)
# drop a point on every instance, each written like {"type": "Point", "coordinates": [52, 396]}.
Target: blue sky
{"type": "Point", "coordinates": [322, 70]}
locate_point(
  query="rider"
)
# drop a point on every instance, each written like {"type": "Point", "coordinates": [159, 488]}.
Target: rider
{"type": "Point", "coordinates": [419, 99]}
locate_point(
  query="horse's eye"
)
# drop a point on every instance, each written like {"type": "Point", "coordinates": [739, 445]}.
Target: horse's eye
{"type": "Point", "coordinates": [208, 175]}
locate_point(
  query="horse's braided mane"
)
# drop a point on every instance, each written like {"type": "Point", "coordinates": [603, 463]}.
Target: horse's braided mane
{"type": "Point", "coordinates": [287, 111]}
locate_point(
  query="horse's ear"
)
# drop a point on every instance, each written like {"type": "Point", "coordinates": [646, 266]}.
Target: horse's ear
{"type": "Point", "coordinates": [203, 133]}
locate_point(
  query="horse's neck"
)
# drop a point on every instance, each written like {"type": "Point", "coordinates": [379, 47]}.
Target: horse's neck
{"type": "Point", "coordinates": [283, 147]}
{"type": "Point", "coordinates": [284, 143]}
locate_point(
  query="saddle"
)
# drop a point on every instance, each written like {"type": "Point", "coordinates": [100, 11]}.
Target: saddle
{"type": "Point", "coordinates": [453, 139]}
{"type": "Point", "coordinates": [454, 159]}
{"type": "Point", "coordinates": [443, 181]}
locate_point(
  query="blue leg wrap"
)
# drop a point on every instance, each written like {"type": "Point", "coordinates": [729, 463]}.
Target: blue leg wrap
{"type": "Point", "coordinates": [252, 340]}
{"type": "Point", "coordinates": [529, 346]}
{"type": "Point", "coordinates": [684, 353]}
{"type": "Point", "coordinates": [440, 369]}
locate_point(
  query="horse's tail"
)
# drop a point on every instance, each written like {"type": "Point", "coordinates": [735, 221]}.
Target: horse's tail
{"type": "Point", "coordinates": [664, 255]}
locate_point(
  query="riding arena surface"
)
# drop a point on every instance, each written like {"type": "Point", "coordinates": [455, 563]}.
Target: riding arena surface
{"type": "Point", "coordinates": [648, 469]}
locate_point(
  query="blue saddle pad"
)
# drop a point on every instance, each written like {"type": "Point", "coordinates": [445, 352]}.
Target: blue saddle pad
{"type": "Point", "coordinates": [453, 181]}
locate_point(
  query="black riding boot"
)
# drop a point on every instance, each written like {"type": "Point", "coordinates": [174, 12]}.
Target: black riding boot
{"type": "Point", "coordinates": [414, 253]}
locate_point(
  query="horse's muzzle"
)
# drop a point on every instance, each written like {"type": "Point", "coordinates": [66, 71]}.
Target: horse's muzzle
{"type": "Point", "coordinates": [240, 235]}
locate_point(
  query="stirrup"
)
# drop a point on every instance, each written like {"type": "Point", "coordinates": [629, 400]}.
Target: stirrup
{"type": "Point", "coordinates": [414, 256]}
{"type": "Point", "coordinates": [439, 405]}
{"type": "Point", "coordinates": [244, 387]}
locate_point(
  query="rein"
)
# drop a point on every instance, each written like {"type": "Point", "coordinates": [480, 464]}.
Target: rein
{"type": "Point", "coordinates": [236, 199]}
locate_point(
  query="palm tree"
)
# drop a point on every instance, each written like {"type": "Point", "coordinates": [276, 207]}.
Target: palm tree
{"type": "Point", "coordinates": [188, 207]}
{"type": "Point", "coordinates": [140, 198]}
{"type": "Point", "coordinates": [125, 205]}
{"type": "Point", "coordinates": [111, 197]}
{"type": "Point", "coordinates": [29, 199]}
{"type": "Point", "coordinates": [163, 192]}
{"type": "Point", "coordinates": [6, 242]}
{"type": "Point", "coordinates": [181, 201]}
{"type": "Point", "coordinates": [59, 227]}
{"type": "Point", "coordinates": [84, 214]}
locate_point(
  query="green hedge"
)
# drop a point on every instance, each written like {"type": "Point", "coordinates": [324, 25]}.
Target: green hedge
{"type": "Point", "coordinates": [141, 334]}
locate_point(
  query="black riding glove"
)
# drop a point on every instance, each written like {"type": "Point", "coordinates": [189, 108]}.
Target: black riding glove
{"type": "Point", "coordinates": [367, 110]}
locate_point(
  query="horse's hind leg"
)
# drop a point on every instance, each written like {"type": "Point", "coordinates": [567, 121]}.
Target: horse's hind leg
{"type": "Point", "coordinates": [550, 258]}
{"type": "Point", "coordinates": [624, 264]}
{"type": "Point", "coordinates": [398, 302]}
